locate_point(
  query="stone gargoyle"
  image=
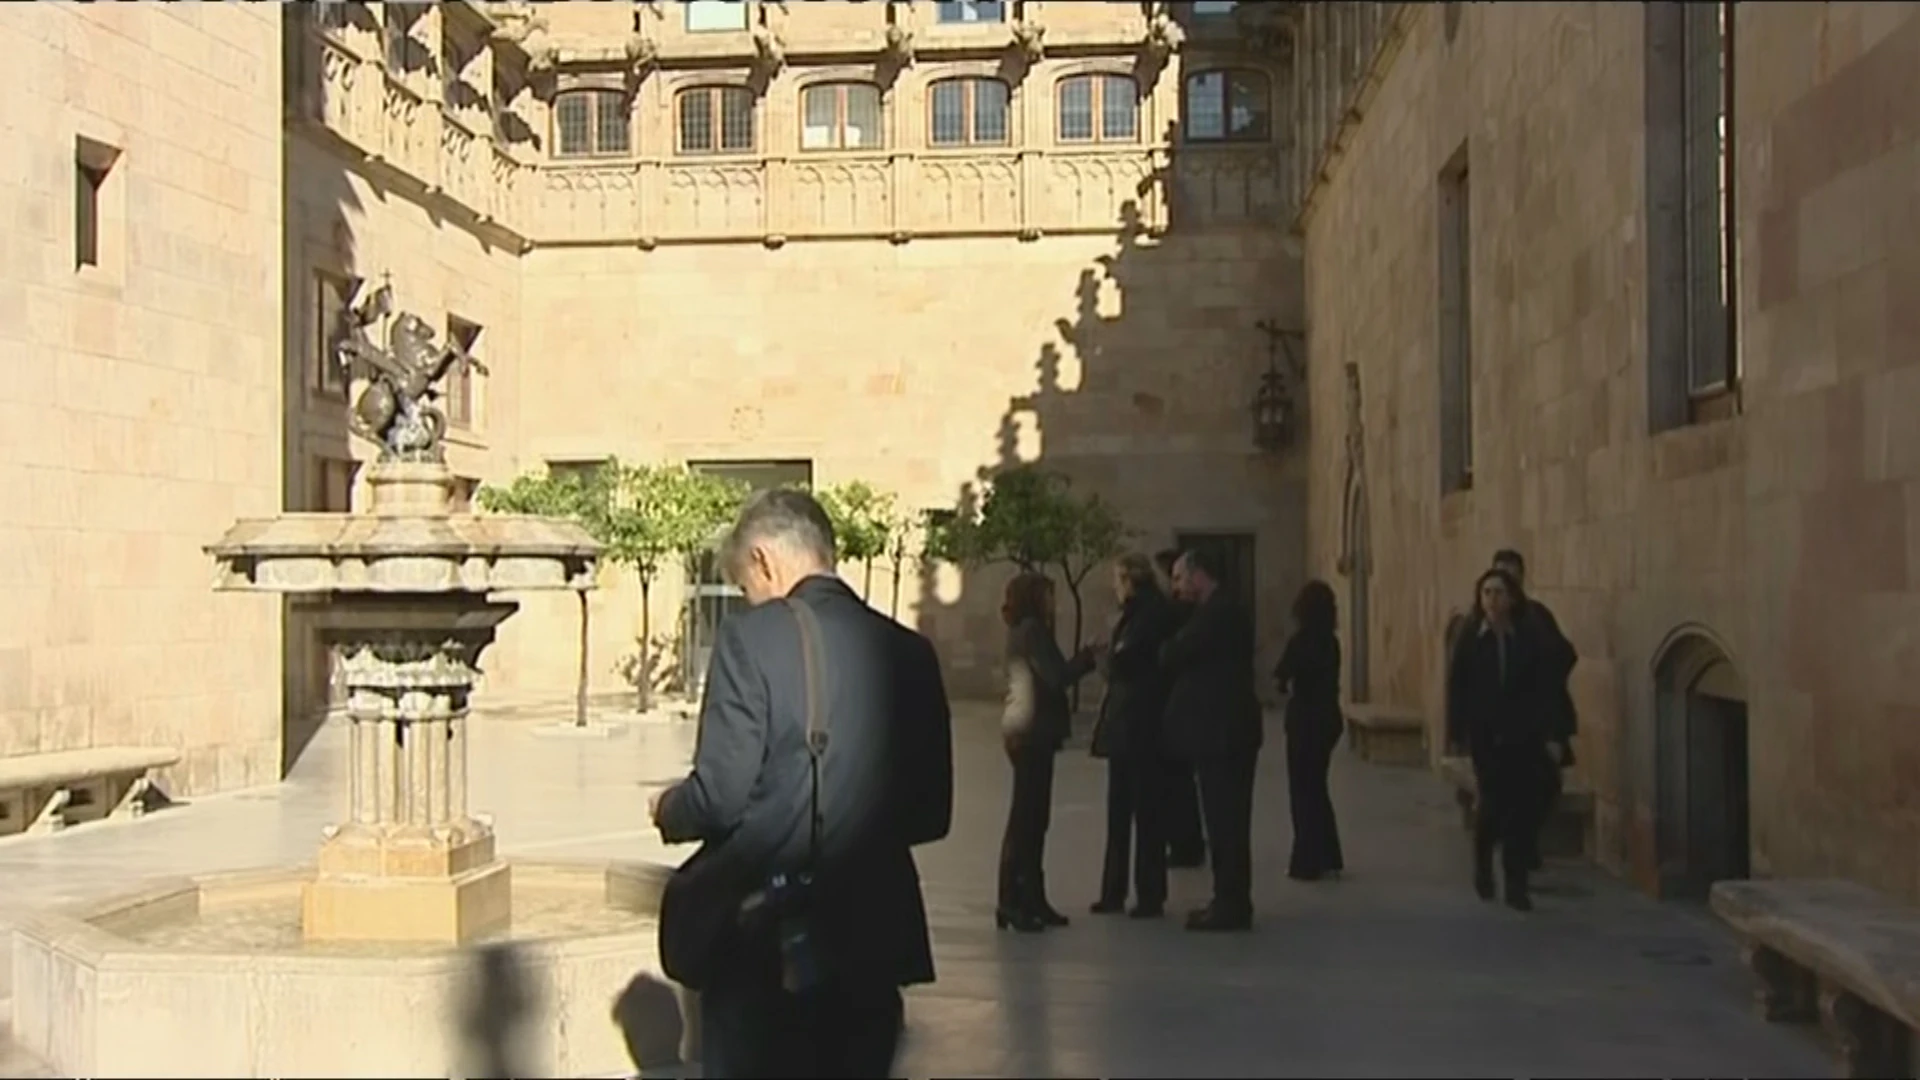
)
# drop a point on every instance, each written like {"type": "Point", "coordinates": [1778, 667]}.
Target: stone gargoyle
{"type": "Point", "coordinates": [1029, 40]}
{"type": "Point", "coordinates": [1164, 37]}
{"type": "Point", "coordinates": [398, 408]}
{"type": "Point", "coordinates": [899, 46]}
{"type": "Point", "coordinates": [769, 52]}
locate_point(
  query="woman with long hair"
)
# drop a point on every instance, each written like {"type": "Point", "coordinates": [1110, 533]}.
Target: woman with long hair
{"type": "Point", "coordinates": [1035, 723]}
{"type": "Point", "coordinates": [1501, 683]}
{"type": "Point", "coordinates": [1309, 676]}
{"type": "Point", "coordinates": [1128, 737]}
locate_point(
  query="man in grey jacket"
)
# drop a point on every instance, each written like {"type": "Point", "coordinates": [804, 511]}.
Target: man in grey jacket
{"type": "Point", "coordinates": [801, 913]}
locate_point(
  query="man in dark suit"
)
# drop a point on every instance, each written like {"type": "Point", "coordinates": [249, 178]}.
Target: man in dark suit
{"type": "Point", "coordinates": [1213, 720]}
{"type": "Point", "coordinates": [1180, 817]}
{"type": "Point", "coordinates": [825, 856]}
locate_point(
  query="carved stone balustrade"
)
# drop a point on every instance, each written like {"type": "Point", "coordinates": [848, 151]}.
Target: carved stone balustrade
{"type": "Point", "coordinates": [891, 194]}
{"type": "Point", "coordinates": [356, 101]}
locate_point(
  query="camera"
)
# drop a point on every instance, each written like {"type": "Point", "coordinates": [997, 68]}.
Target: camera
{"type": "Point", "coordinates": [782, 908]}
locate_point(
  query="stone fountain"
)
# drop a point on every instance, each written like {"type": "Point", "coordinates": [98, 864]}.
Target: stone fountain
{"type": "Point", "coordinates": [371, 961]}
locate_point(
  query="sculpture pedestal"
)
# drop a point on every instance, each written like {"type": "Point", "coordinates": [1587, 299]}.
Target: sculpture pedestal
{"type": "Point", "coordinates": [409, 863]}
{"type": "Point", "coordinates": [445, 910]}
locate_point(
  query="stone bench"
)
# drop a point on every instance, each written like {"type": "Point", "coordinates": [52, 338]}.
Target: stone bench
{"type": "Point", "coordinates": [1565, 833]}
{"type": "Point", "coordinates": [1837, 953]}
{"type": "Point", "coordinates": [44, 793]}
{"type": "Point", "coordinates": [1386, 735]}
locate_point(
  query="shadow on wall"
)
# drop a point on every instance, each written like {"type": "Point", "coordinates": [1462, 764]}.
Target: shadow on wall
{"type": "Point", "coordinates": [495, 1030]}
{"type": "Point", "coordinates": [659, 1037]}
{"type": "Point", "coordinates": [318, 202]}
{"type": "Point", "coordinates": [500, 1001]}
{"type": "Point", "coordinates": [1141, 395]}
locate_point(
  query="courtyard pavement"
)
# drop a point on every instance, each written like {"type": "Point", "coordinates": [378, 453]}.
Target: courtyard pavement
{"type": "Point", "coordinates": [1397, 970]}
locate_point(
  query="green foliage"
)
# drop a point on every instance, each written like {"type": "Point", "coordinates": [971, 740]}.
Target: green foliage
{"type": "Point", "coordinates": [1096, 533]}
{"type": "Point", "coordinates": [580, 496]}
{"type": "Point", "coordinates": [865, 520]}
{"type": "Point", "coordinates": [1031, 517]}
{"type": "Point", "coordinates": [657, 513]}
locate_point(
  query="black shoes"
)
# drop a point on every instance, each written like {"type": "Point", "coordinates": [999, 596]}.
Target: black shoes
{"type": "Point", "coordinates": [1015, 919]}
{"type": "Point", "coordinates": [1516, 894]}
{"type": "Point", "coordinates": [1314, 875]}
{"type": "Point", "coordinates": [1213, 920]}
{"type": "Point", "coordinates": [1108, 907]}
{"type": "Point", "coordinates": [1028, 919]}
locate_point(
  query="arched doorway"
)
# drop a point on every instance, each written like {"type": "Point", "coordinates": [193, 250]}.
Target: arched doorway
{"type": "Point", "coordinates": [1700, 710]}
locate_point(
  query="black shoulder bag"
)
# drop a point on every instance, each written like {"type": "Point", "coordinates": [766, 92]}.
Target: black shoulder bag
{"type": "Point", "coordinates": [702, 909]}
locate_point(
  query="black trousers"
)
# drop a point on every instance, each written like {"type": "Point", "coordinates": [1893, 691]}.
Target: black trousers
{"type": "Point", "coordinates": [1510, 807]}
{"type": "Point", "coordinates": [1316, 836]}
{"type": "Point", "coordinates": [750, 1028]}
{"type": "Point", "coordinates": [1226, 800]}
{"type": "Point", "coordinates": [1023, 849]}
{"type": "Point", "coordinates": [1181, 813]}
{"type": "Point", "coordinates": [1135, 796]}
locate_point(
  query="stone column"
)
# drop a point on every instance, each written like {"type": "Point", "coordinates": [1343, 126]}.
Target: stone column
{"type": "Point", "coordinates": [409, 863]}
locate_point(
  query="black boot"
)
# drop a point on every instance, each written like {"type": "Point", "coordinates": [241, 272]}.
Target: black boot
{"type": "Point", "coordinates": [1047, 914]}
{"type": "Point", "coordinates": [1483, 878]}
{"type": "Point", "coordinates": [1017, 919]}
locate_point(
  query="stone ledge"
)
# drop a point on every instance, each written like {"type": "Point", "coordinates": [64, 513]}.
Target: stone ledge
{"type": "Point", "coordinates": [93, 1000]}
{"type": "Point", "coordinates": [1387, 734]}
{"type": "Point", "coordinates": [1836, 952]}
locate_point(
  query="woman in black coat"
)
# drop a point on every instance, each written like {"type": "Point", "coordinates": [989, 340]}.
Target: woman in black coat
{"type": "Point", "coordinates": [1034, 725]}
{"type": "Point", "coordinates": [1502, 687]}
{"type": "Point", "coordinates": [1309, 675]}
{"type": "Point", "coordinates": [1128, 736]}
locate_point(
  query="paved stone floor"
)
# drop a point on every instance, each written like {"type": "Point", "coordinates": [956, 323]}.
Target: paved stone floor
{"type": "Point", "coordinates": [1396, 970]}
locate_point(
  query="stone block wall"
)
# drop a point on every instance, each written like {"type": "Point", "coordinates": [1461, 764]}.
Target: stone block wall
{"type": "Point", "coordinates": [1129, 365]}
{"type": "Point", "coordinates": [140, 412]}
{"type": "Point", "coordinates": [1780, 534]}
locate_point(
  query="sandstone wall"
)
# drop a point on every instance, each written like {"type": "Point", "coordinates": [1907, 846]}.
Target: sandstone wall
{"type": "Point", "coordinates": [1781, 535]}
{"type": "Point", "coordinates": [140, 412]}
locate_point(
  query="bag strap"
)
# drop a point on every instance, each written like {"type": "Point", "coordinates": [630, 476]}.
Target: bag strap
{"type": "Point", "coordinates": [812, 669]}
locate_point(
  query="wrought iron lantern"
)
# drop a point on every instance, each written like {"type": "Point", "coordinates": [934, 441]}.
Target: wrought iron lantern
{"type": "Point", "coordinates": [1274, 408]}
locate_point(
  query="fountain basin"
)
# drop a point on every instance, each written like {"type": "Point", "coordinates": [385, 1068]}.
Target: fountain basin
{"type": "Point", "coordinates": [211, 977]}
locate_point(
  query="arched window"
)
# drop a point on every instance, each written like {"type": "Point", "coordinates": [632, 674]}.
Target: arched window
{"type": "Point", "coordinates": [968, 112]}
{"type": "Point", "coordinates": [840, 116]}
{"type": "Point", "coordinates": [1097, 108]}
{"type": "Point", "coordinates": [1227, 106]}
{"type": "Point", "coordinates": [592, 123]}
{"type": "Point", "coordinates": [715, 120]}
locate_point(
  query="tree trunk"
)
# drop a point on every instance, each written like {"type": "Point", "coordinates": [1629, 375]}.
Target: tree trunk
{"type": "Point", "coordinates": [866, 581]}
{"type": "Point", "coordinates": [893, 609]}
{"type": "Point", "coordinates": [643, 686]}
{"type": "Point", "coordinates": [580, 685]}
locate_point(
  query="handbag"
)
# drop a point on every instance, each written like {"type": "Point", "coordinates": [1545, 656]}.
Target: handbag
{"type": "Point", "coordinates": [1021, 708]}
{"type": "Point", "coordinates": [701, 905]}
